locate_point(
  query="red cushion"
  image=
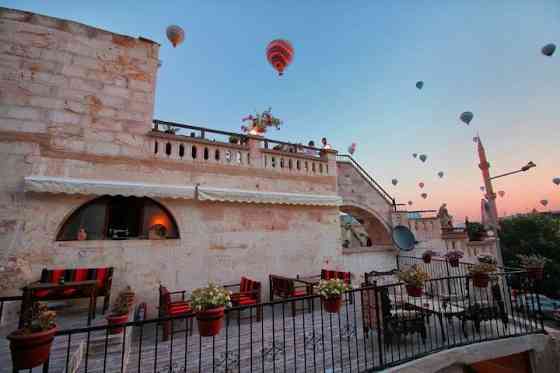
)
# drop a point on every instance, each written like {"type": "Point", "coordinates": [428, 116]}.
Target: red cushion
{"type": "Point", "coordinates": [100, 275]}
{"type": "Point", "coordinates": [299, 293]}
{"type": "Point", "coordinates": [70, 291]}
{"type": "Point", "coordinates": [41, 293]}
{"type": "Point", "coordinates": [179, 308]}
{"type": "Point", "coordinates": [246, 301]}
{"type": "Point", "coordinates": [80, 274]}
{"type": "Point", "coordinates": [56, 275]}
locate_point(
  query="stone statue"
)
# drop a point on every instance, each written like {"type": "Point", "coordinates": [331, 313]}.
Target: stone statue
{"type": "Point", "coordinates": [444, 217]}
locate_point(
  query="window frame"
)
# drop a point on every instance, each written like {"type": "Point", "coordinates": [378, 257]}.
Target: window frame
{"type": "Point", "coordinates": [106, 200]}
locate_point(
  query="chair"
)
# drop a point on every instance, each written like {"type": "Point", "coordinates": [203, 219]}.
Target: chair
{"type": "Point", "coordinates": [391, 322]}
{"type": "Point", "coordinates": [479, 310]}
{"type": "Point", "coordinates": [169, 308]}
{"type": "Point", "coordinates": [327, 274]}
{"type": "Point", "coordinates": [249, 294]}
{"type": "Point", "coordinates": [286, 288]}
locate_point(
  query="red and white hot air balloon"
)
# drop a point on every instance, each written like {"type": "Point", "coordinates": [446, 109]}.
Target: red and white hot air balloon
{"type": "Point", "coordinates": [421, 184]}
{"type": "Point", "coordinates": [352, 148]}
{"type": "Point", "coordinates": [175, 34]}
{"type": "Point", "coordinates": [501, 193]}
{"type": "Point", "coordinates": [279, 54]}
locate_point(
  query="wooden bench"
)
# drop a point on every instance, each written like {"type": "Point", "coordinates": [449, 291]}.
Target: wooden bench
{"type": "Point", "coordinates": [248, 294]}
{"type": "Point", "coordinates": [169, 307]}
{"type": "Point", "coordinates": [103, 276]}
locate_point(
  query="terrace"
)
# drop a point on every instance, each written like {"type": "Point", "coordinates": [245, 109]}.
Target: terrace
{"type": "Point", "coordinates": [378, 326]}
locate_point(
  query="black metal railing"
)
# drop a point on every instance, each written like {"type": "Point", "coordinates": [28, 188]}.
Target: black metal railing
{"type": "Point", "coordinates": [369, 179]}
{"type": "Point", "coordinates": [378, 326]}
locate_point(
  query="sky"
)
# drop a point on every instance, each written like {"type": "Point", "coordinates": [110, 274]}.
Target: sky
{"type": "Point", "coordinates": [353, 80]}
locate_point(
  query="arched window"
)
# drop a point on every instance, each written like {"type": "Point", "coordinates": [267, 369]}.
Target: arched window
{"type": "Point", "coordinates": [119, 218]}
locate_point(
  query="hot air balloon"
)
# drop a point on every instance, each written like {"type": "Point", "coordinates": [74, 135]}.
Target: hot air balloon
{"type": "Point", "coordinates": [352, 148]}
{"type": "Point", "coordinates": [423, 157]}
{"type": "Point", "coordinates": [556, 180]}
{"type": "Point", "coordinates": [175, 34]}
{"type": "Point", "coordinates": [501, 193]}
{"type": "Point", "coordinates": [414, 155]}
{"type": "Point", "coordinates": [279, 54]}
{"type": "Point", "coordinates": [482, 189]}
{"type": "Point", "coordinates": [410, 203]}
{"type": "Point", "coordinates": [419, 84]}
{"type": "Point", "coordinates": [544, 202]}
{"type": "Point", "coordinates": [466, 117]}
{"type": "Point", "coordinates": [548, 50]}
{"type": "Point", "coordinates": [394, 181]}
{"type": "Point", "coordinates": [421, 184]}
{"type": "Point", "coordinates": [424, 195]}
{"type": "Point", "coordinates": [440, 174]}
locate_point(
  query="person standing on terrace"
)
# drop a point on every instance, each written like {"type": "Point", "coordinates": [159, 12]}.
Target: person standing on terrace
{"type": "Point", "coordinates": [326, 145]}
{"type": "Point", "coordinates": [310, 151]}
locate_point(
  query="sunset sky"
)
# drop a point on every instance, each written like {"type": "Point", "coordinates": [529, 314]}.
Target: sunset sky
{"type": "Point", "coordinates": [353, 80]}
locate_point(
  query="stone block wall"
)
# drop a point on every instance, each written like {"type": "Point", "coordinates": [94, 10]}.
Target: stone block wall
{"type": "Point", "coordinates": [89, 89]}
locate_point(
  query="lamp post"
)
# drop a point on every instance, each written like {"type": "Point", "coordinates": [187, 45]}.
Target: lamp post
{"type": "Point", "coordinates": [491, 196]}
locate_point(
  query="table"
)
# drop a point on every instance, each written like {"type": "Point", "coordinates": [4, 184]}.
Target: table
{"type": "Point", "coordinates": [433, 306]}
{"type": "Point", "coordinates": [88, 286]}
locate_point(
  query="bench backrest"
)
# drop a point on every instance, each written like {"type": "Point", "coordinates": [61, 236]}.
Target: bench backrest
{"type": "Point", "coordinates": [103, 275]}
{"type": "Point", "coordinates": [327, 274]}
{"type": "Point", "coordinates": [281, 286]}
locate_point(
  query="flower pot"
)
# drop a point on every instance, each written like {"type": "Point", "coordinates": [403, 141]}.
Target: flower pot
{"type": "Point", "coordinates": [427, 259]}
{"type": "Point", "coordinates": [413, 291]}
{"type": "Point", "coordinates": [332, 304]}
{"type": "Point", "coordinates": [30, 350]}
{"type": "Point", "coordinates": [454, 262]}
{"type": "Point", "coordinates": [116, 320]}
{"type": "Point", "coordinates": [210, 321]}
{"type": "Point", "coordinates": [480, 280]}
{"type": "Point", "coordinates": [535, 273]}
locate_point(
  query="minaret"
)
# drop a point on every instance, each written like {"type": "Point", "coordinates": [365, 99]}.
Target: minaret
{"type": "Point", "coordinates": [490, 195]}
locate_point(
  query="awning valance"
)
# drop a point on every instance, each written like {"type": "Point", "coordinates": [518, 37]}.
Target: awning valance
{"type": "Point", "coordinates": [51, 184]}
{"type": "Point", "coordinates": [247, 196]}
{"type": "Point", "coordinates": [105, 187]}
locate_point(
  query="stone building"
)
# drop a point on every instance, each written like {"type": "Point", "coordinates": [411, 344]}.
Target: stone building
{"type": "Point", "coordinates": [85, 180]}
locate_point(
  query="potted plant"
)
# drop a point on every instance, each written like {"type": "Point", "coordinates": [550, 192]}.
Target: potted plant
{"type": "Point", "coordinates": [260, 123]}
{"type": "Point", "coordinates": [209, 304]}
{"type": "Point", "coordinates": [31, 345]}
{"type": "Point", "coordinates": [331, 293]}
{"type": "Point", "coordinates": [453, 257]}
{"type": "Point", "coordinates": [119, 313]}
{"type": "Point", "coordinates": [427, 256]}
{"type": "Point", "coordinates": [480, 274]}
{"type": "Point", "coordinates": [534, 264]}
{"type": "Point", "coordinates": [414, 278]}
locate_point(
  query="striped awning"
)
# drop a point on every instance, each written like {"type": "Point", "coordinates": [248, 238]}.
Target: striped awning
{"type": "Point", "coordinates": [105, 187]}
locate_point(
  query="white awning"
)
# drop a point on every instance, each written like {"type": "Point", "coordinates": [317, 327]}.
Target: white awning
{"type": "Point", "coordinates": [247, 196]}
{"type": "Point", "coordinates": [105, 187]}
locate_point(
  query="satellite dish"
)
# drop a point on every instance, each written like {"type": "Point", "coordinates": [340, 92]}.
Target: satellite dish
{"type": "Point", "coordinates": [403, 238]}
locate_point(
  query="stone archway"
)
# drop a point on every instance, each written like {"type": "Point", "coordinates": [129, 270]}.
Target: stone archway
{"type": "Point", "coordinates": [378, 232]}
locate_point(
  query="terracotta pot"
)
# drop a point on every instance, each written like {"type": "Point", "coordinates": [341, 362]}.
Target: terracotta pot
{"type": "Point", "coordinates": [413, 291]}
{"type": "Point", "coordinates": [427, 258]}
{"type": "Point", "coordinates": [116, 320]}
{"type": "Point", "coordinates": [480, 280]}
{"type": "Point", "coordinates": [210, 321]}
{"type": "Point", "coordinates": [30, 350]}
{"type": "Point", "coordinates": [535, 273]}
{"type": "Point", "coordinates": [332, 304]}
{"type": "Point", "coordinates": [454, 262]}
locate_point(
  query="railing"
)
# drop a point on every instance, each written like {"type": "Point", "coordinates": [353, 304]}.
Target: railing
{"type": "Point", "coordinates": [198, 144]}
{"type": "Point", "coordinates": [369, 179]}
{"type": "Point", "coordinates": [377, 327]}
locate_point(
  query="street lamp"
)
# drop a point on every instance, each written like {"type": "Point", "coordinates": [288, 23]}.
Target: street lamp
{"type": "Point", "coordinates": [525, 168]}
